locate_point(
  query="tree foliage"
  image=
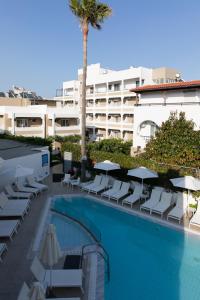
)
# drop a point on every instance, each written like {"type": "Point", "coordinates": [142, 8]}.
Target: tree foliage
{"type": "Point", "coordinates": [91, 11]}
{"type": "Point", "coordinates": [176, 142]}
{"type": "Point", "coordinates": [111, 145]}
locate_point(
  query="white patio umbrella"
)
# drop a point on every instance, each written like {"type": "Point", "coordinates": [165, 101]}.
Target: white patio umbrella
{"type": "Point", "coordinates": [187, 182]}
{"type": "Point", "coordinates": [107, 166]}
{"type": "Point", "coordinates": [143, 173]}
{"type": "Point", "coordinates": [37, 292]}
{"type": "Point", "coordinates": [50, 249]}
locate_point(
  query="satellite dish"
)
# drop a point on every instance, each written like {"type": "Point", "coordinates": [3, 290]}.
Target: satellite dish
{"type": "Point", "coordinates": [178, 75]}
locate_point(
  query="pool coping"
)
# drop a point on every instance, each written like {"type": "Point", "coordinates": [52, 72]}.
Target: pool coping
{"type": "Point", "coordinates": [134, 212]}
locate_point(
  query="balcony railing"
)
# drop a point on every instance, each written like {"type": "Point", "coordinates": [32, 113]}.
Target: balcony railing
{"type": "Point", "coordinates": [30, 128]}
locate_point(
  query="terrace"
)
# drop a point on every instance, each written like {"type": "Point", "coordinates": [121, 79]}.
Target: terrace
{"type": "Point", "coordinates": [19, 255]}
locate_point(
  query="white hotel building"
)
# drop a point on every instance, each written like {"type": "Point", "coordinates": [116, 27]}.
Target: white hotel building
{"type": "Point", "coordinates": [110, 103]}
{"type": "Point", "coordinates": [39, 120]}
{"type": "Point", "coordinates": [111, 106]}
{"type": "Point", "coordinates": [156, 102]}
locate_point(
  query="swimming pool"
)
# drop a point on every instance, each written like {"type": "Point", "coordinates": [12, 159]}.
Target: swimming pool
{"type": "Point", "coordinates": [148, 261]}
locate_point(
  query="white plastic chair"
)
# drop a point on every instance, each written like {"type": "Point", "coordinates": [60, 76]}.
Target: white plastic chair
{"type": "Point", "coordinates": [66, 179]}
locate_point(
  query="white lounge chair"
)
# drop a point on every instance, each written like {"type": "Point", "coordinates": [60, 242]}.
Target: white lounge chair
{"type": "Point", "coordinates": [164, 203]}
{"type": "Point", "coordinates": [21, 188]}
{"type": "Point", "coordinates": [11, 193]}
{"type": "Point", "coordinates": [25, 290]}
{"type": "Point", "coordinates": [66, 179]}
{"type": "Point", "coordinates": [115, 188]}
{"type": "Point", "coordinates": [131, 199]}
{"type": "Point", "coordinates": [13, 208]}
{"type": "Point", "coordinates": [102, 186]}
{"type": "Point", "coordinates": [3, 248]}
{"type": "Point", "coordinates": [32, 183]}
{"type": "Point", "coordinates": [8, 228]}
{"type": "Point", "coordinates": [153, 200]}
{"type": "Point", "coordinates": [59, 278]}
{"type": "Point", "coordinates": [195, 220]}
{"type": "Point", "coordinates": [122, 192]}
{"type": "Point", "coordinates": [75, 182]}
{"type": "Point", "coordinates": [96, 182]}
{"type": "Point", "coordinates": [180, 209]}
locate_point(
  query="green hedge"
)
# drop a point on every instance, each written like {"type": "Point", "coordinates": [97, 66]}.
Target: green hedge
{"type": "Point", "coordinates": [30, 140]}
{"type": "Point", "coordinates": [111, 145]}
{"type": "Point", "coordinates": [74, 148]}
{"type": "Point", "coordinates": [67, 139]}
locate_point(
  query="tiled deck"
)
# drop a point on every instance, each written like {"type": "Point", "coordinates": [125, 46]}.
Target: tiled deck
{"type": "Point", "coordinates": [15, 268]}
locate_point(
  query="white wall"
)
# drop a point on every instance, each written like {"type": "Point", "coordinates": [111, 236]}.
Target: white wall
{"type": "Point", "coordinates": [169, 97]}
{"type": "Point", "coordinates": [33, 161]}
{"type": "Point", "coordinates": [159, 114]}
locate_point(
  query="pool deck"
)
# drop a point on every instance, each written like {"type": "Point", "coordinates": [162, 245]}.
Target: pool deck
{"type": "Point", "coordinates": [15, 268]}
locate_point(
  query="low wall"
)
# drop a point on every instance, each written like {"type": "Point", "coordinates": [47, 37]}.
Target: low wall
{"type": "Point", "coordinates": [33, 161]}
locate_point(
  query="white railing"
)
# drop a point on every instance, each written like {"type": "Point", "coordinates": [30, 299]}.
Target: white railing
{"type": "Point", "coordinates": [31, 128]}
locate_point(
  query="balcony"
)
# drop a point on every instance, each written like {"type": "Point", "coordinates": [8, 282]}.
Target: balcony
{"type": "Point", "coordinates": [65, 130]}
{"type": "Point", "coordinates": [29, 129]}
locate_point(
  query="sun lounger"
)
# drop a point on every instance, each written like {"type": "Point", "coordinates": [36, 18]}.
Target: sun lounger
{"type": "Point", "coordinates": [3, 248]}
{"type": "Point", "coordinates": [25, 290]}
{"type": "Point", "coordinates": [131, 199]}
{"type": "Point", "coordinates": [102, 186]}
{"type": "Point", "coordinates": [94, 184]}
{"type": "Point", "coordinates": [11, 193]}
{"type": "Point", "coordinates": [8, 228]}
{"type": "Point", "coordinates": [13, 208]}
{"type": "Point", "coordinates": [122, 192]}
{"type": "Point", "coordinates": [195, 220]}
{"type": "Point", "coordinates": [164, 203]}
{"type": "Point", "coordinates": [60, 278]}
{"type": "Point", "coordinates": [32, 183]}
{"type": "Point", "coordinates": [21, 188]}
{"type": "Point", "coordinates": [154, 199]}
{"type": "Point", "coordinates": [115, 188]}
{"type": "Point", "coordinates": [180, 209]}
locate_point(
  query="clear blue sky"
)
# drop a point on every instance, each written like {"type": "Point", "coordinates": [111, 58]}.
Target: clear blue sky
{"type": "Point", "coordinates": [41, 44]}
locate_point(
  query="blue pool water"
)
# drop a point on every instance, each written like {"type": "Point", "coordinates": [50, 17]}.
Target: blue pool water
{"type": "Point", "coordinates": [148, 261]}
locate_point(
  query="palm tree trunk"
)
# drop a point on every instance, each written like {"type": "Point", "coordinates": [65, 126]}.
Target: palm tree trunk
{"type": "Point", "coordinates": [83, 102]}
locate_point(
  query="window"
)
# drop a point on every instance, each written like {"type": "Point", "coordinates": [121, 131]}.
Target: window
{"type": "Point", "coordinates": [110, 87]}
{"type": "Point", "coordinates": [147, 129]}
{"type": "Point", "coordinates": [22, 123]}
{"type": "Point", "coordinates": [116, 87]}
{"type": "Point", "coordinates": [91, 90]}
{"type": "Point", "coordinates": [64, 123]}
{"type": "Point", "coordinates": [137, 83]}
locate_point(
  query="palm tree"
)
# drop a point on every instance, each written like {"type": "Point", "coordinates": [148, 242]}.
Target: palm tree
{"type": "Point", "coordinates": [89, 12]}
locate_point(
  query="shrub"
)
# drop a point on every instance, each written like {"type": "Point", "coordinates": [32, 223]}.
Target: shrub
{"type": "Point", "coordinates": [111, 145]}
{"type": "Point", "coordinates": [30, 140]}
{"type": "Point", "coordinates": [74, 148]}
{"type": "Point", "coordinates": [175, 143]}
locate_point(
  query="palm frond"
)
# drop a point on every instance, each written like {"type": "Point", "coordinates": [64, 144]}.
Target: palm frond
{"type": "Point", "coordinates": [93, 11]}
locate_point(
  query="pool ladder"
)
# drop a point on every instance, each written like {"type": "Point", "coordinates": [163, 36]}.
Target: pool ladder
{"type": "Point", "coordinates": [98, 249]}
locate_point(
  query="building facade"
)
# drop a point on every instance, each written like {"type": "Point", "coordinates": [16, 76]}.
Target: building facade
{"type": "Point", "coordinates": [39, 120]}
{"type": "Point", "coordinates": [156, 102]}
{"type": "Point", "coordinates": [110, 104]}
{"type": "Point", "coordinates": [110, 101]}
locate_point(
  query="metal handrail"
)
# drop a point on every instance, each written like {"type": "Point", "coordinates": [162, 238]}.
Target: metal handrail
{"type": "Point", "coordinates": [103, 254]}
{"type": "Point", "coordinates": [74, 215]}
